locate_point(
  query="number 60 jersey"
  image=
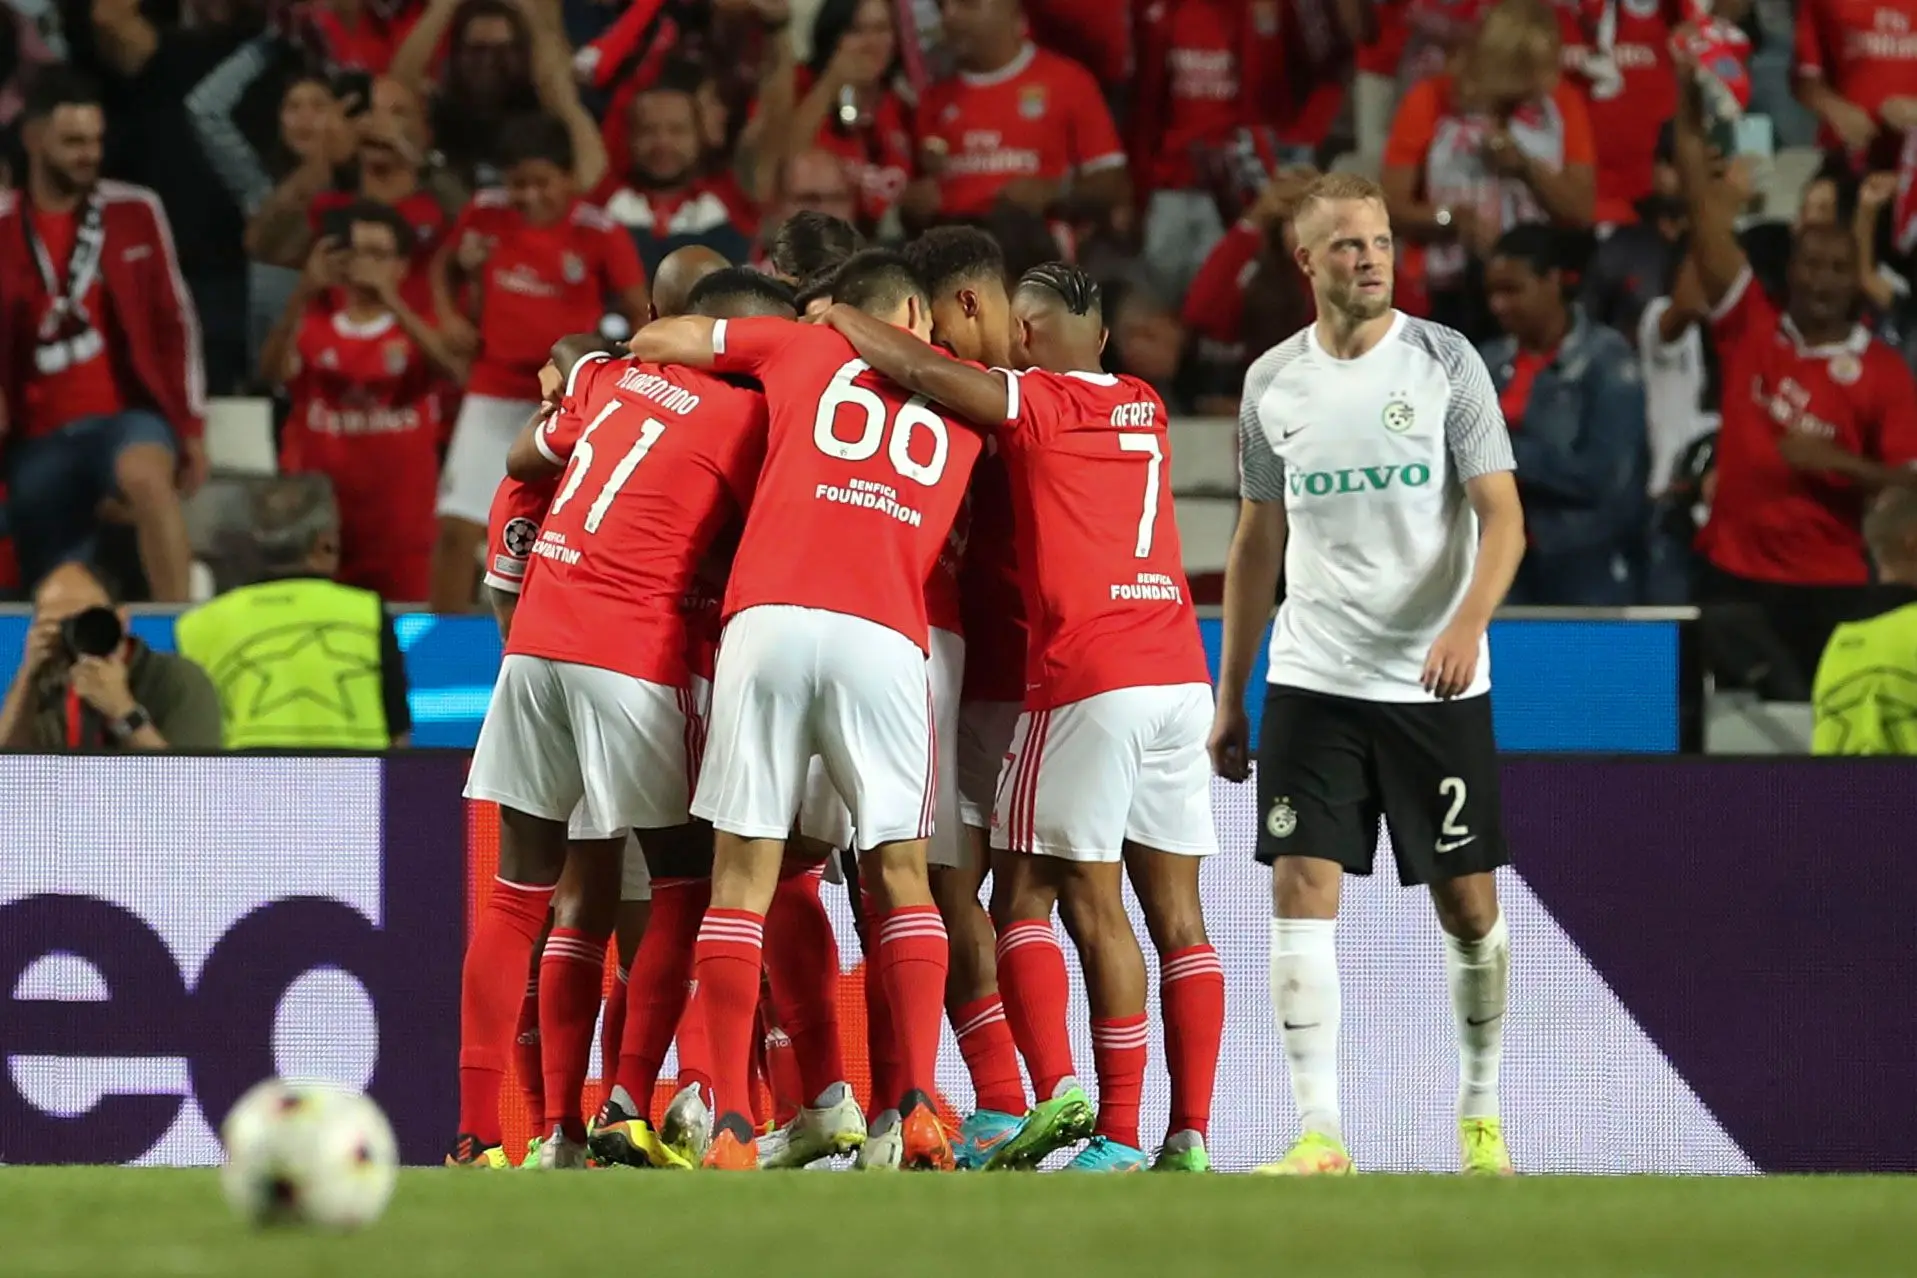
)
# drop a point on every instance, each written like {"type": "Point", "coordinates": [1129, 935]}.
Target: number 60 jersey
{"type": "Point", "coordinates": [659, 459]}
{"type": "Point", "coordinates": [861, 484]}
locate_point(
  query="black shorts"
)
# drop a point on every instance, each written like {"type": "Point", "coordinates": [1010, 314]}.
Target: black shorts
{"type": "Point", "coordinates": [1329, 767]}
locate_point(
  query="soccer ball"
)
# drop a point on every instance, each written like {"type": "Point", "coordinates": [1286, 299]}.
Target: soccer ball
{"type": "Point", "coordinates": [308, 1154]}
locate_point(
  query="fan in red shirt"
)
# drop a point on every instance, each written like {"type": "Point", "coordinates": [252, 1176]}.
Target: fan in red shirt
{"type": "Point", "coordinates": [1187, 107]}
{"type": "Point", "coordinates": [362, 370]}
{"type": "Point", "coordinates": [1857, 71]}
{"type": "Point", "coordinates": [1108, 765]}
{"type": "Point", "coordinates": [1248, 294]}
{"type": "Point", "coordinates": [537, 263]}
{"type": "Point", "coordinates": [825, 654]}
{"type": "Point", "coordinates": [1817, 416]}
{"type": "Point", "coordinates": [1620, 52]}
{"type": "Point", "coordinates": [1017, 123]}
{"type": "Point", "coordinates": [392, 134]}
{"type": "Point", "coordinates": [658, 190]}
{"type": "Point", "coordinates": [595, 703]}
{"type": "Point", "coordinates": [841, 102]}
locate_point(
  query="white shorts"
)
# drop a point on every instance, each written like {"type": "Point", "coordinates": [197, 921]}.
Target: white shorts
{"type": "Point", "coordinates": [947, 670]}
{"type": "Point", "coordinates": [794, 682]}
{"type": "Point", "coordinates": [822, 813]}
{"type": "Point", "coordinates": [1129, 765]}
{"type": "Point", "coordinates": [559, 736]}
{"type": "Point", "coordinates": [984, 739]}
{"type": "Point", "coordinates": [635, 876]}
{"type": "Point", "coordinates": [476, 459]}
{"type": "Point", "coordinates": [824, 816]}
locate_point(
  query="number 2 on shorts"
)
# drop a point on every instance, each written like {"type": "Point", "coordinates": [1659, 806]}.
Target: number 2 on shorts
{"type": "Point", "coordinates": [1450, 833]}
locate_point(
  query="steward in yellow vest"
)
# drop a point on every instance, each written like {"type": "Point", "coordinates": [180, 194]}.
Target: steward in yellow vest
{"type": "Point", "coordinates": [1865, 698]}
{"type": "Point", "coordinates": [301, 662]}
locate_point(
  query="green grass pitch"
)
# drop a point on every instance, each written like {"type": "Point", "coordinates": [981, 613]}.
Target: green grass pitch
{"type": "Point", "coordinates": [109, 1222]}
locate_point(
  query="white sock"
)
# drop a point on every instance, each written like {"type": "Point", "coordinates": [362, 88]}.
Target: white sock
{"type": "Point", "coordinates": [1478, 972]}
{"type": "Point", "coordinates": [1304, 993]}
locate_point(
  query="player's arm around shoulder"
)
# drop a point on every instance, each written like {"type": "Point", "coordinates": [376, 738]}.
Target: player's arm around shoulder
{"type": "Point", "coordinates": [695, 341]}
{"type": "Point", "coordinates": [545, 443]}
{"type": "Point", "coordinates": [988, 398]}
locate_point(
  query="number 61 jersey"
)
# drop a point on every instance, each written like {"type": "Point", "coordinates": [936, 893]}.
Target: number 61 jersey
{"type": "Point", "coordinates": [659, 459]}
{"type": "Point", "coordinates": [862, 480]}
{"type": "Point", "coordinates": [1106, 600]}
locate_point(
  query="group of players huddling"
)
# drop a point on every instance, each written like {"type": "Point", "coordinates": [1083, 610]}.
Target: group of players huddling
{"type": "Point", "coordinates": [958, 642]}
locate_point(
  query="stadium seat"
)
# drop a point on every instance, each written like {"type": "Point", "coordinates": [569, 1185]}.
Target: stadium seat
{"type": "Point", "coordinates": [1739, 723]}
{"type": "Point", "coordinates": [239, 437]}
{"type": "Point", "coordinates": [1204, 456]}
{"type": "Point", "coordinates": [1790, 171]}
{"type": "Point", "coordinates": [1204, 531]}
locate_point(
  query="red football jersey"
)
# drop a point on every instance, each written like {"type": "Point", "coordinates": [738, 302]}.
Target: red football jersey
{"type": "Point", "coordinates": [512, 526]}
{"type": "Point", "coordinates": [1634, 104]}
{"type": "Point", "coordinates": [1041, 117]}
{"type": "Point", "coordinates": [991, 594]}
{"type": "Point", "coordinates": [1769, 522]}
{"type": "Point", "coordinates": [366, 415]}
{"type": "Point", "coordinates": [942, 611]}
{"type": "Point", "coordinates": [539, 284]}
{"type": "Point", "coordinates": [1865, 49]}
{"type": "Point", "coordinates": [659, 459]}
{"type": "Point", "coordinates": [1202, 106]}
{"type": "Point", "coordinates": [1105, 590]}
{"type": "Point", "coordinates": [88, 382]}
{"type": "Point", "coordinates": [861, 486]}
{"type": "Point", "coordinates": [704, 611]}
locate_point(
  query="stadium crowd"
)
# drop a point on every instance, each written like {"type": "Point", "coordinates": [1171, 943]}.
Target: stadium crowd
{"type": "Point", "coordinates": [386, 215]}
{"type": "Point", "coordinates": [241, 148]}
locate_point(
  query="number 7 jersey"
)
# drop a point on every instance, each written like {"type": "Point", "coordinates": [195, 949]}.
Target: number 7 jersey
{"type": "Point", "coordinates": [861, 484]}
{"type": "Point", "coordinates": [658, 460]}
{"type": "Point", "coordinates": [1106, 599]}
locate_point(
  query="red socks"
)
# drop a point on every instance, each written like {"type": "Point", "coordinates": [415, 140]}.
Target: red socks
{"type": "Point", "coordinates": [985, 1040]}
{"type": "Point", "coordinates": [613, 1031]}
{"type": "Point", "coordinates": [571, 975]}
{"type": "Point", "coordinates": [656, 990]}
{"type": "Point", "coordinates": [1031, 977]}
{"type": "Point", "coordinates": [802, 958]}
{"type": "Point", "coordinates": [1191, 996]}
{"type": "Point", "coordinates": [914, 956]}
{"type": "Point", "coordinates": [526, 1059]}
{"type": "Point", "coordinates": [497, 959]}
{"type": "Point", "coordinates": [726, 967]}
{"type": "Point", "coordinates": [881, 1039]}
{"type": "Point", "coordinates": [1119, 1048]}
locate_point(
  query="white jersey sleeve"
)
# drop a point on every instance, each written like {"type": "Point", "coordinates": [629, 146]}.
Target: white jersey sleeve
{"type": "Point", "coordinates": [1261, 473]}
{"type": "Point", "coordinates": [1475, 432]}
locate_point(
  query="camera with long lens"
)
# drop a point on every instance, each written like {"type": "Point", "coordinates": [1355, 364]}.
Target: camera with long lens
{"type": "Point", "coordinates": [94, 632]}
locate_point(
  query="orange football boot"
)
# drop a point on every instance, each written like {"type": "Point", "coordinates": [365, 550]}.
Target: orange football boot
{"type": "Point", "coordinates": [729, 1153]}
{"type": "Point", "coordinates": [927, 1144]}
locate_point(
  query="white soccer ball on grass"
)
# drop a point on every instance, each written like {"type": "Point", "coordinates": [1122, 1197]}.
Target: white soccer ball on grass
{"type": "Point", "coordinates": [308, 1154]}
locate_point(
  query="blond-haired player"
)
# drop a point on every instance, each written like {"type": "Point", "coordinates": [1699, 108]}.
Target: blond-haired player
{"type": "Point", "coordinates": [1377, 472]}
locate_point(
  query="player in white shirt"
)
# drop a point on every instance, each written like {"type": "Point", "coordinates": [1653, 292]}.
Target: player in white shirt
{"type": "Point", "coordinates": [1377, 473]}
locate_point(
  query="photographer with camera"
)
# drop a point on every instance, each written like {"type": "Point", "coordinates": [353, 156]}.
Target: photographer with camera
{"type": "Point", "coordinates": [86, 683]}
